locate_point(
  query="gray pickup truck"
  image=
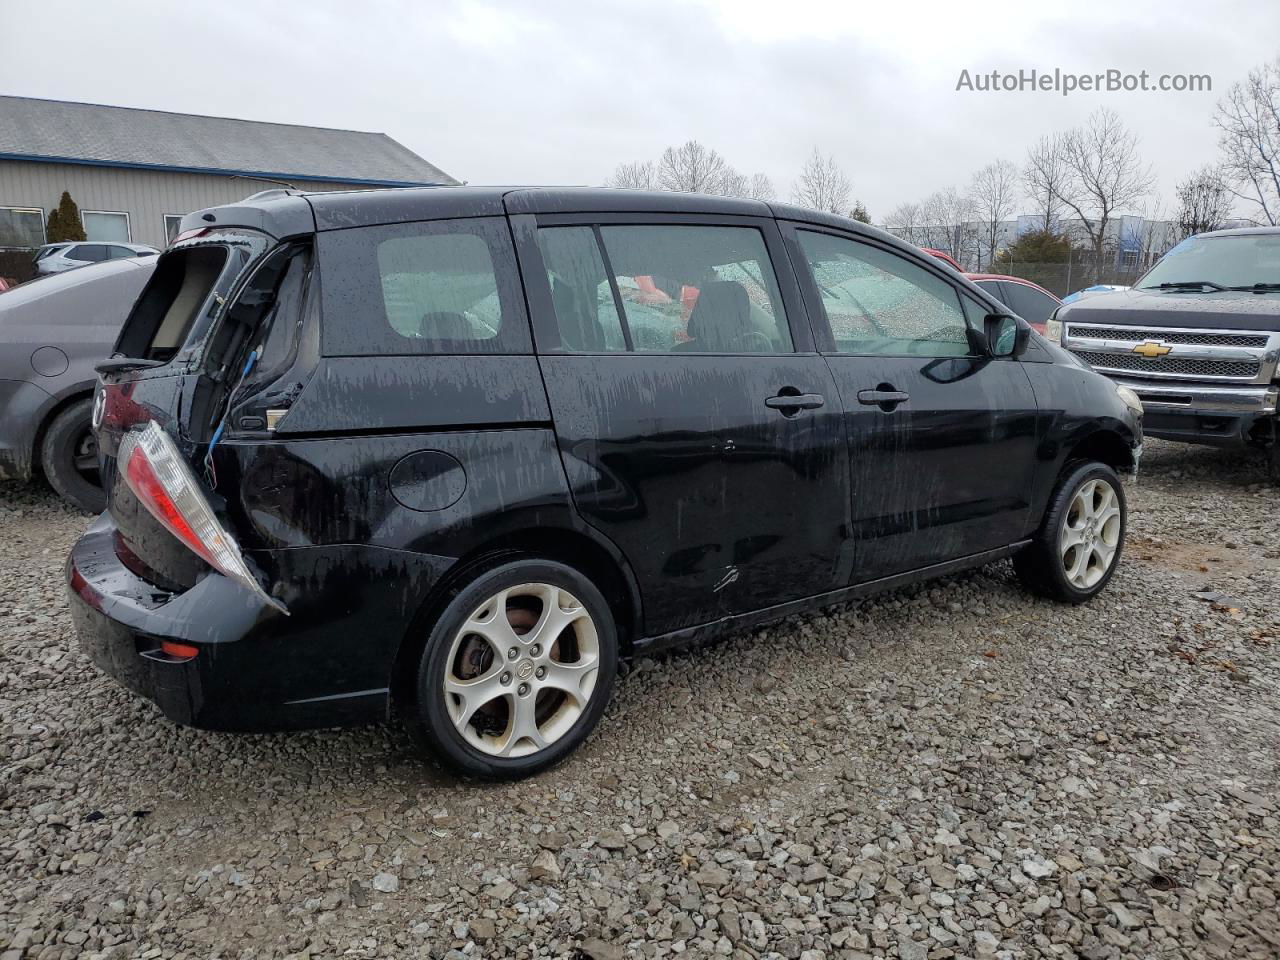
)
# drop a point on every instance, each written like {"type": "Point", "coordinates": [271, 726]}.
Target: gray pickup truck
{"type": "Point", "coordinates": [1197, 338]}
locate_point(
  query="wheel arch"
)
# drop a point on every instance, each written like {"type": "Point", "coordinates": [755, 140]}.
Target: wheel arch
{"type": "Point", "coordinates": [1105, 446]}
{"type": "Point", "coordinates": [84, 392]}
{"type": "Point", "coordinates": [600, 563]}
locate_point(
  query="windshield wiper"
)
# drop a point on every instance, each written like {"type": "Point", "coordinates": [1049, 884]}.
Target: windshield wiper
{"type": "Point", "coordinates": [1189, 285]}
{"type": "Point", "coordinates": [1258, 287]}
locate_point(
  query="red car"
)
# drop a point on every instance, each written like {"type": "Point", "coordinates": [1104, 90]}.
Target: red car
{"type": "Point", "coordinates": [1032, 302]}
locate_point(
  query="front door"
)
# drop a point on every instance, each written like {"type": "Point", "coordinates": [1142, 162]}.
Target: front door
{"type": "Point", "coordinates": [941, 436]}
{"type": "Point", "coordinates": [693, 433]}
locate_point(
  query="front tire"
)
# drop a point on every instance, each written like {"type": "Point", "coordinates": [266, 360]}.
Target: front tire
{"type": "Point", "coordinates": [516, 670]}
{"type": "Point", "coordinates": [69, 456]}
{"type": "Point", "coordinates": [1076, 550]}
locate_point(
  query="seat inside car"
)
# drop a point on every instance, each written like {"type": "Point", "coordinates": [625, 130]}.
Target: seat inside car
{"type": "Point", "coordinates": [580, 329]}
{"type": "Point", "coordinates": [720, 320]}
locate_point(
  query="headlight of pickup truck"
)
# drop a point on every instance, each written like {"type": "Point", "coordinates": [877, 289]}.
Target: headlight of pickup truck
{"type": "Point", "coordinates": [1053, 328]}
{"type": "Point", "coordinates": [1130, 399]}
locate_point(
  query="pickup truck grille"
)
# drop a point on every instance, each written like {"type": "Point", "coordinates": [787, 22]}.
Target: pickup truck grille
{"type": "Point", "coordinates": [1139, 335]}
{"type": "Point", "coordinates": [1176, 353]}
{"type": "Point", "coordinates": [1170, 365]}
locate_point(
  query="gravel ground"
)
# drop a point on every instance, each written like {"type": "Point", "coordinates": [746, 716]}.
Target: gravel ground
{"type": "Point", "coordinates": [956, 770]}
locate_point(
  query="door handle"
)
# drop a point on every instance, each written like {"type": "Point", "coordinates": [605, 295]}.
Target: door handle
{"type": "Point", "coordinates": [885, 399]}
{"type": "Point", "coordinates": [795, 401]}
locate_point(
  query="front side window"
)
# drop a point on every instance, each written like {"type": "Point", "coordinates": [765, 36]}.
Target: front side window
{"type": "Point", "coordinates": [683, 289]}
{"type": "Point", "coordinates": [105, 226]}
{"type": "Point", "coordinates": [878, 302]}
{"type": "Point", "coordinates": [21, 227]}
{"type": "Point", "coordinates": [446, 286]}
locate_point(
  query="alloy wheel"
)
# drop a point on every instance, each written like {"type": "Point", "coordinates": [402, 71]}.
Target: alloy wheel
{"type": "Point", "coordinates": [521, 670]}
{"type": "Point", "coordinates": [1090, 535]}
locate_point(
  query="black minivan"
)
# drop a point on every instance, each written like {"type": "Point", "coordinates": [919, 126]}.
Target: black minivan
{"type": "Point", "coordinates": [459, 450]}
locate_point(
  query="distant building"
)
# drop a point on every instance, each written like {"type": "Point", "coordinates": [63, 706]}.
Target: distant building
{"type": "Point", "coordinates": [1132, 243]}
{"type": "Point", "coordinates": [135, 173]}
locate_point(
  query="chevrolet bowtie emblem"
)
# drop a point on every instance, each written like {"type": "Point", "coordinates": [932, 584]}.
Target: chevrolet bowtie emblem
{"type": "Point", "coordinates": [1151, 349]}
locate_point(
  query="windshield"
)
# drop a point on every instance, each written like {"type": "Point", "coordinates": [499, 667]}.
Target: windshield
{"type": "Point", "coordinates": [1232, 261]}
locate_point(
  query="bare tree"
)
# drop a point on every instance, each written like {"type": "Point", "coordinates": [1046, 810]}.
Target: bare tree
{"type": "Point", "coordinates": [1204, 202]}
{"type": "Point", "coordinates": [1104, 174]}
{"type": "Point", "coordinates": [907, 222]}
{"type": "Point", "coordinates": [1044, 176]}
{"type": "Point", "coordinates": [823, 185]}
{"type": "Point", "coordinates": [694, 168]}
{"type": "Point", "coordinates": [1249, 121]}
{"type": "Point", "coordinates": [761, 188]}
{"type": "Point", "coordinates": [634, 176]}
{"type": "Point", "coordinates": [994, 194]}
{"type": "Point", "coordinates": [948, 218]}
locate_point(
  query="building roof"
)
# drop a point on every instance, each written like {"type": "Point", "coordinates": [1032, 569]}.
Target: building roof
{"type": "Point", "coordinates": [58, 131]}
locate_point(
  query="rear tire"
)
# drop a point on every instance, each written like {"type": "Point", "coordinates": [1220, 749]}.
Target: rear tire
{"type": "Point", "coordinates": [515, 671]}
{"type": "Point", "coordinates": [69, 457]}
{"type": "Point", "coordinates": [1076, 550]}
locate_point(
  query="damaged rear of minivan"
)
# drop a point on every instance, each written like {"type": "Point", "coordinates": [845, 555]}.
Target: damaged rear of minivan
{"type": "Point", "coordinates": [323, 410]}
{"type": "Point", "coordinates": [170, 582]}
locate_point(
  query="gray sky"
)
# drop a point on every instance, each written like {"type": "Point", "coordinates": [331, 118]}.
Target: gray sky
{"type": "Point", "coordinates": [560, 92]}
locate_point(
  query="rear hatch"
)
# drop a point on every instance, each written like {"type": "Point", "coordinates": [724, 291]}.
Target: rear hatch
{"type": "Point", "coordinates": [191, 341]}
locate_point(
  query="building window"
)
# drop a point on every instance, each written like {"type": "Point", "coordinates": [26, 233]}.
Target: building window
{"type": "Point", "coordinates": [21, 227]}
{"type": "Point", "coordinates": [172, 221]}
{"type": "Point", "coordinates": [105, 225]}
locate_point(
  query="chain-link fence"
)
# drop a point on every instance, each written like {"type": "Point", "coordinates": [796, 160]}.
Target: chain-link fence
{"type": "Point", "coordinates": [1065, 278]}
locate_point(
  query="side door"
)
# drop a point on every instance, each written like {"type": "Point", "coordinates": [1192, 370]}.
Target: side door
{"type": "Point", "coordinates": [941, 435]}
{"type": "Point", "coordinates": [699, 429]}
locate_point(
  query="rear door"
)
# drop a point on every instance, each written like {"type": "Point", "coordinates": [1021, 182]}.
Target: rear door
{"type": "Point", "coordinates": [941, 437]}
{"type": "Point", "coordinates": [698, 428]}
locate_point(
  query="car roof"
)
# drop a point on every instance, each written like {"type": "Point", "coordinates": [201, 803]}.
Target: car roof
{"type": "Point", "coordinates": [288, 212]}
{"type": "Point", "coordinates": [1000, 276]}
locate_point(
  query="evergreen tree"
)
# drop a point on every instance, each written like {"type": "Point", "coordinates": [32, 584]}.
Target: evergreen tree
{"type": "Point", "coordinates": [64, 222]}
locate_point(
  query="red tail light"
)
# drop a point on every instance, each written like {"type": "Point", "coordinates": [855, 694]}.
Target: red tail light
{"type": "Point", "coordinates": [160, 478]}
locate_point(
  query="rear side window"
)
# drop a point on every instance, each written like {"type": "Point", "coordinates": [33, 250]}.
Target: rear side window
{"type": "Point", "coordinates": [445, 286]}
{"type": "Point", "coordinates": [92, 252]}
{"type": "Point", "coordinates": [1029, 303]}
{"type": "Point", "coordinates": [683, 289]}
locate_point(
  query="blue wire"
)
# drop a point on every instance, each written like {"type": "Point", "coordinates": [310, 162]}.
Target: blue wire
{"type": "Point", "coordinates": [217, 434]}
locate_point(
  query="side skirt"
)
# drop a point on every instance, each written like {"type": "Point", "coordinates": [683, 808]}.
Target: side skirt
{"type": "Point", "coordinates": [745, 621]}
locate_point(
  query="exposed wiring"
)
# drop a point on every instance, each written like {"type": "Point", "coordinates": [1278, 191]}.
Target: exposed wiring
{"type": "Point", "coordinates": [210, 472]}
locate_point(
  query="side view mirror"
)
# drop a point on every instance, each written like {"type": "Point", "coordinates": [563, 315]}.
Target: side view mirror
{"type": "Point", "coordinates": [1007, 336]}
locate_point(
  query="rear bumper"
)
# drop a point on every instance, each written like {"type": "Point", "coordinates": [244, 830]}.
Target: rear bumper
{"type": "Point", "coordinates": [328, 664]}
{"type": "Point", "coordinates": [22, 409]}
{"type": "Point", "coordinates": [1203, 413]}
